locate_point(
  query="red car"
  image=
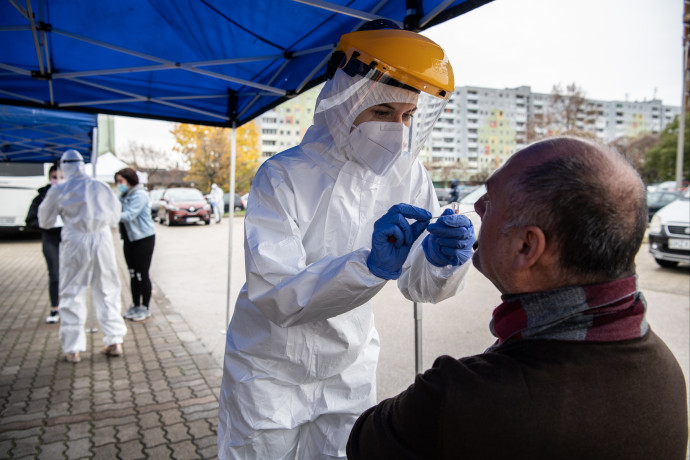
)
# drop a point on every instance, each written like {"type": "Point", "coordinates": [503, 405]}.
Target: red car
{"type": "Point", "coordinates": [183, 206]}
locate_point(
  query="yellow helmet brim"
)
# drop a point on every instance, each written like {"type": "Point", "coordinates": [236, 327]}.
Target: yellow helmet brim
{"type": "Point", "coordinates": [406, 56]}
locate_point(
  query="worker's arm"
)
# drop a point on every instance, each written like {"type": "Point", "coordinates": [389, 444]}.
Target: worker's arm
{"type": "Point", "coordinates": [281, 284]}
{"type": "Point", "coordinates": [421, 281]}
{"type": "Point", "coordinates": [112, 205]}
{"type": "Point", "coordinates": [48, 210]}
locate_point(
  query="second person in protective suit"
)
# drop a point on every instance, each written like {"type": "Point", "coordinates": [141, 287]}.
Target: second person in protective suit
{"type": "Point", "coordinates": [89, 209]}
{"type": "Point", "coordinates": [329, 226]}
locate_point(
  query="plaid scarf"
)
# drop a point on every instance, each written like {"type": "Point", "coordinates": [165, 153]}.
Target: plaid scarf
{"type": "Point", "coordinates": [596, 313]}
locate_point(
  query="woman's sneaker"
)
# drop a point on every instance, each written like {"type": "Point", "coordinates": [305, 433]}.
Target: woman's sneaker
{"type": "Point", "coordinates": [53, 318]}
{"type": "Point", "coordinates": [130, 312]}
{"type": "Point", "coordinates": [141, 313]}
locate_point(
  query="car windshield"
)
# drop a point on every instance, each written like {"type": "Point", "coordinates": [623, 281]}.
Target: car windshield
{"type": "Point", "coordinates": [185, 194]}
{"type": "Point", "coordinates": [661, 197]}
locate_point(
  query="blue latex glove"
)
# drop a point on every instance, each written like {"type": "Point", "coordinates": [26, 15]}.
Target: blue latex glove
{"type": "Point", "coordinates": [450, 240]}
{"type": "Point", "coordinates": [393, 237]}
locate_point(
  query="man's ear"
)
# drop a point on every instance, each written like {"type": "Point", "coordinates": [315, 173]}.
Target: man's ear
{"type": "Point", "coordinates": [532, 244]}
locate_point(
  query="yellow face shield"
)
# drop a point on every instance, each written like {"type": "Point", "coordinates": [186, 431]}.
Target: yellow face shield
{"type": "Point", "coordinates": [401, 55]}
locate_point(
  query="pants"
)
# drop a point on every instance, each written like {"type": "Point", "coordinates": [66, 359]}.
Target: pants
{"type": "Point", "coordinates": [283, 444]}
{"type": "Point", "coordinates": [138, 255]}
{"type": "Point", "coordinates": [88, 259]}
{"type": "Point", "coordinates": [218, 211]}
{"type": "Point", "coordinates": [51, 252]}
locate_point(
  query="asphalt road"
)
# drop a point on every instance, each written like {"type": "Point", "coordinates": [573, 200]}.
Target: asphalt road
{"type": "Point", "coordinates": [190, 268]}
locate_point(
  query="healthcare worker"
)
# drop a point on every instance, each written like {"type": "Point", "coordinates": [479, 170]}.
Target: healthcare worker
{"type": "Point", "coordinates": [217, 202]}
{"type": "Point", "coordinates": [88, 209]}
{"type": "Point", "coordinates": [328, 228]}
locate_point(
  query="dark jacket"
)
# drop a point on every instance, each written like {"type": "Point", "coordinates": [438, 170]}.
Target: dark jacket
{"type": "Point", "coordinates": [536, 399]}
{"type": "Point", "coordinates": [32, 215]}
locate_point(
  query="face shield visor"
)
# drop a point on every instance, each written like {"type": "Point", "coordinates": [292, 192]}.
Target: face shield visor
{"type": "Point", "coordinates": [378, 115]}
{"type": "Point", "coordinates": [71, 164]}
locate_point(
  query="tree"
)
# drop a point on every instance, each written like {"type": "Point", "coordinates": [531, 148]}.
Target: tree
{"type": "Point", "coordinates": [660, 160]}
{"type": "Point", "coordinates": [635, 150]}
{"type": "Point", "coordinates": [248, 152]}
{"type": "Point", "coordinates": [207, 150]}
{"type": "Point", "coordinates": [568, 112]}
{"type": "Point", "coordinates": [146, 159]}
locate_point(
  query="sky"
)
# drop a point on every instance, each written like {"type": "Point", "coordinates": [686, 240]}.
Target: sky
{"type": "Point", "coordinates": [611, 49]}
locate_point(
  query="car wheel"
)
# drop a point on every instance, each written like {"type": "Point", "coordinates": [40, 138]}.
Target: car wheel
{"type": "Point", "coordinates": [666, 263]}
{"type": "Point", "coordinates": [207, 222]}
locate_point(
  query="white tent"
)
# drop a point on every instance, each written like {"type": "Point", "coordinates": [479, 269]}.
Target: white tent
{"type": "Point", "coordinates": [108, 164]}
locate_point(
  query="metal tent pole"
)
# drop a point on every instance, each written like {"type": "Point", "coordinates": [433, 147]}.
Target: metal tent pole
{"type": "Point", "coordinates": [681, 118]}
{"type": "Point", "coordinates": [418, 367]}
{"type": "Point", "coordinates": [94, 159]}
{"type": "Point", "coordinates": [233, 157]}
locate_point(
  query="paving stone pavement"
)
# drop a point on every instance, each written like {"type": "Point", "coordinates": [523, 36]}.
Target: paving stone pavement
{"type": "Point", "coordinates": [159, 400]}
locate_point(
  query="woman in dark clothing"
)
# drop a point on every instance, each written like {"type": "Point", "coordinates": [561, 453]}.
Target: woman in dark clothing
{"type": "Point", "coordinates": [51, 243]}
{"type": "Point", "coordinates": [138, 235]}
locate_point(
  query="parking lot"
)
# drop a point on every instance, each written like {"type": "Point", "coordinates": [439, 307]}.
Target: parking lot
{"type": "Point", "coordinates": [190, 268]}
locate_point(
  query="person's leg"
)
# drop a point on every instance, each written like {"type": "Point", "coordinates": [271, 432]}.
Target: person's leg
{"type": "Point", "coordinates": [51, 244]}
{"type": "Point", "coordinates": [128, 249]}
{"type": "Point", "coordinates": [75, 273]}
{"type": "Point", "coordinates": [105, 290]}
{"type": "Point", "coordinates": [142, 263]}
{"type": "Point", "coordinates": [273, 444]}
{"type": "Point", "coordinates": [326, 437]}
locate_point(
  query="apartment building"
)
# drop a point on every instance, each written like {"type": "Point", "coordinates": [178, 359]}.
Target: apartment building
{"type": "Point", "coordinates": [480, 128]}
{"type": "Point", "coordinates": [284, 126]}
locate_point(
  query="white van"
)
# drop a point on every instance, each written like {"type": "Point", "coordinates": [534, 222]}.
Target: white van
{"type": "Point", "coordinates": [19, 183]}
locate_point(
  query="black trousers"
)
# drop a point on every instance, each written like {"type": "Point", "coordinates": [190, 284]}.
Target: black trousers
{"type": "Point", "coordinates": [51, 252]}
{"type": "Point", "coordinates": [138, 255]}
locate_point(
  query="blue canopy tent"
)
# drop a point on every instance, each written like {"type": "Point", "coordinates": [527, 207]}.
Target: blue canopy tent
{"type": "Point", "coordinates": [31, 135]}
{"type": "Point", "coordinates": [209, 62]}
{"type": "Point", "coordinates": [213, 62]}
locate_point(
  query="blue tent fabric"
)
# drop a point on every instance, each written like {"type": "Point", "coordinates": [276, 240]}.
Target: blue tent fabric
{"type": "Point", "coordinates": [211, 62]}
{"type": "Point", "coordinates": [30, 135]}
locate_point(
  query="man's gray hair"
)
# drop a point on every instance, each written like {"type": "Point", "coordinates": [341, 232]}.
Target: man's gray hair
{"type": "Point", "coordinates": [589, 202]}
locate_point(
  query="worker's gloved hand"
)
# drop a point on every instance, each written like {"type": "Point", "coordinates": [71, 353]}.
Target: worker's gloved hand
{"type": "Point", "coordinates": [393, 237]}
{"type": "Point", "coordinates": [450, 240]}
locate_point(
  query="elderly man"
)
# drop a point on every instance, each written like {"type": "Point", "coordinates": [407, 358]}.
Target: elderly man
{"type": "Point", "coordinates": [576, 371]}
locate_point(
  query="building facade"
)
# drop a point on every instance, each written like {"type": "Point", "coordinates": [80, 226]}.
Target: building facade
{"type": "Point", "coordinates": [480, 128]}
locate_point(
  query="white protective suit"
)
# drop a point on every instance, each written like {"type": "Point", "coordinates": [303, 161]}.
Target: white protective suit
{"type": "Point", "coordinates": [301, 349]}
{"type": "Point", "coordinates": [217, 200]}
{"type": "Point", "coordinates": [88, 209]}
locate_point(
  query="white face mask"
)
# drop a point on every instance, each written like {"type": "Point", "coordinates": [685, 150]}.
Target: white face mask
{"type": "Point", "coordinates": [377, 144]}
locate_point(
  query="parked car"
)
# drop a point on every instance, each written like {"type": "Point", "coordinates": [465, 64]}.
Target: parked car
{"type": "Point", "coordinates": [669, 233]}
{"type": "Point", "coordinates": [442, 194]}
{"type": "Point", "coordinates": [239, 202]}
{"type": "Point", "coordinates": [668, 186]}
{"type": "Point", "coordinates": [183, 205]}
{"type": "Point", "coordinates": [658, 199]}
{"type": "Point", "coordinates": [154, 198]}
